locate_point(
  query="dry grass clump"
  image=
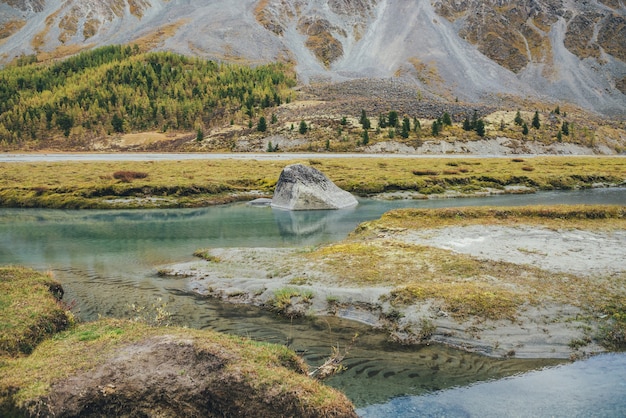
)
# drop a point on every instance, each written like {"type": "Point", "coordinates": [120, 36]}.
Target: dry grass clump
{"type": "Point", "coordinates": [127, 176]}
{"type": "Point", "coordinates": [205, 254]}
{"type": "Point", "coordinates": [425, 172]}
{"type": "Point", "coordinates": [613, 333]}
{"type": "Point", "coordinates": [463, 299]}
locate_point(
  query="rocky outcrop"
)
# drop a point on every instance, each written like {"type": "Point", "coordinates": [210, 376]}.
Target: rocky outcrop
{"type": "Point", "coordinates": [302, 187]}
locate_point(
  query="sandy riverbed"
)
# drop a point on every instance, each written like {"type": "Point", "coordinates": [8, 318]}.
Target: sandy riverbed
{"type": "Point", "coordinates": [545, 330]}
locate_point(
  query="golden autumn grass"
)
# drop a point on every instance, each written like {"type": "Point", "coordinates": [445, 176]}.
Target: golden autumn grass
{"type": "Point", "coordinates": [188, 183]}
{"type": "Point", "coordinates": [468, 287]}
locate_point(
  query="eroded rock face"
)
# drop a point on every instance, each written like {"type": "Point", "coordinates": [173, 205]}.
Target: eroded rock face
{"type": "Point", "coordinates": [301, 187]}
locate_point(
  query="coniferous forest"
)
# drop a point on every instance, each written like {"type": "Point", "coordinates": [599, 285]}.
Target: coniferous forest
{"type": "Point", "coordinates": [120, 89]}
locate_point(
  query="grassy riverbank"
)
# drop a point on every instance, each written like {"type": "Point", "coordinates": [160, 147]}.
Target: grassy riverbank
{"type": "Point", "coordinates": [119, 367]}
{"type": "Point", "coordinates": [202, 182]}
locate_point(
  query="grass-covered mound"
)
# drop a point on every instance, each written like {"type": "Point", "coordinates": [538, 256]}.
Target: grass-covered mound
{"type": "Point", "coordinates": [29, 310]}
{"type": "Point", "coordinates": [123, 368]}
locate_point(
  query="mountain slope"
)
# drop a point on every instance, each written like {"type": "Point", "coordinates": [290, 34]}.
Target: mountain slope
{"type": "Point", "coordinates": [558, 50]}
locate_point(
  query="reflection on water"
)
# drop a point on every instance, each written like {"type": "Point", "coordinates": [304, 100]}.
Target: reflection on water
{"type": "Point", "coordinates": [107, 260]}
{"type": "Point", "coordinates": [592, 388]}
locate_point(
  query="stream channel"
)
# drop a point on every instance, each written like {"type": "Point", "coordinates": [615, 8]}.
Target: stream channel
{"type": "Point", "coordinates": [108, 261]}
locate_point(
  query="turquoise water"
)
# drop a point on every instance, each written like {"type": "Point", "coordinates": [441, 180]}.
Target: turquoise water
{"type": "Point", "coordinates": [591, 388]}
{"type": "Point", "coordinates": [108, 260]}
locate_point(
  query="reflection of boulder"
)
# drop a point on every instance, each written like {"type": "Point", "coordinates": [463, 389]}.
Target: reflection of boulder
{"type": "Point", "coordinates": [301, 187]}
{"type": "Point", "coordinates": [315, 223]}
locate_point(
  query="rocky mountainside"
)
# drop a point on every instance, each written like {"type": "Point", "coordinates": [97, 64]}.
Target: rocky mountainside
{"type": "Point", "coordinates": [468, 50]}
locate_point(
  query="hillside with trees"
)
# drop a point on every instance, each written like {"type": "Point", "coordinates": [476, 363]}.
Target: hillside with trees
{"type": "Point", "coordinates": [118, 89]}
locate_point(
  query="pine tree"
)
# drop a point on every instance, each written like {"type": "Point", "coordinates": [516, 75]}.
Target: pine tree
{"type": "Point", "coordinates": [536, 123]}
{"type": "Point", "coordinates": [565, 128]}
{"type": "Point", "coordinates": [524, 128]}
{"type": "Point", "coordinates": [446, 119]}
{"type": "Point", "coordinates": [435, 128]}
{"type": "Point", "coordinates": [303, 127]}
{"type": "Point", "coordinates": [467, 125]}
{"type": "Point", "coordinates": [393, 119]}
{"type": "Point", "coordinates": [199, 135]}
{"type": "Point", "coordinates": [518, 119]}
{"type": "Point", "coordinates": [364, 120]}
{"type": "Point", "coordinates": [416, 124]}
{"type": "Point", "coordinates": [365, 137]}
{"type": "Point", "coordinates": [118, 123]}
{"type": "Point", "coordinates": [406, 127]}
{"type": "Point", "coordinates": [474, 119]}
{"type": "Point", "coordinates": [480, 127]}
{"type": "Point", "coordinates": [382, 121]}
{"type": "Point", "coordinates": [261, 125]}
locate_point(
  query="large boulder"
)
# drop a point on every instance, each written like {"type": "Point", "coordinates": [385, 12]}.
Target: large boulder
{"type": "Point", "coordinates": [302, 187]}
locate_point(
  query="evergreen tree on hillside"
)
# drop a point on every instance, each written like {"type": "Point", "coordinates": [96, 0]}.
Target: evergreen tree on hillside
{"type": "Point", "coordinates": [303, 127]}
{"type": "Point", "coordinates": [467, 125]}
{"type": "Point", "coordinates": [382, 121]}
{"type": "Point", "coordinates": [261, 125]}
{"type": "Point", "coordinates": [406, 127]}
{"type": "Point", "coordinates": [446, 119]}
{"type": "Point", "coordinates": [416, 124]}
{"type": "Point", "coordinates": [364, 121]}
{"type": "Point", "coordinates": [524, 128]}
{"type": "Point", "coordinates": [392, 119]}
{"type": "Point", "coordinates": [536, 123]}
{"type": "Point", "coordinates": [436, 128]}
{"type": "Point", "coordinates": [480, 127]}
{"type": "Point", "coordinates": [474, 119]}
{"type": "Point", "coordinates": [118, 123]}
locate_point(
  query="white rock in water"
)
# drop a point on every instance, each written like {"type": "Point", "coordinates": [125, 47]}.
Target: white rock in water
{"type": "Point", "coordinates": [301, 187]}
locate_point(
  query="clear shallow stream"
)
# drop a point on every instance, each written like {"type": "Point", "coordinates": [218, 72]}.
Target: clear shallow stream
{"type": "Point", "coordinates": [107, 260]}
